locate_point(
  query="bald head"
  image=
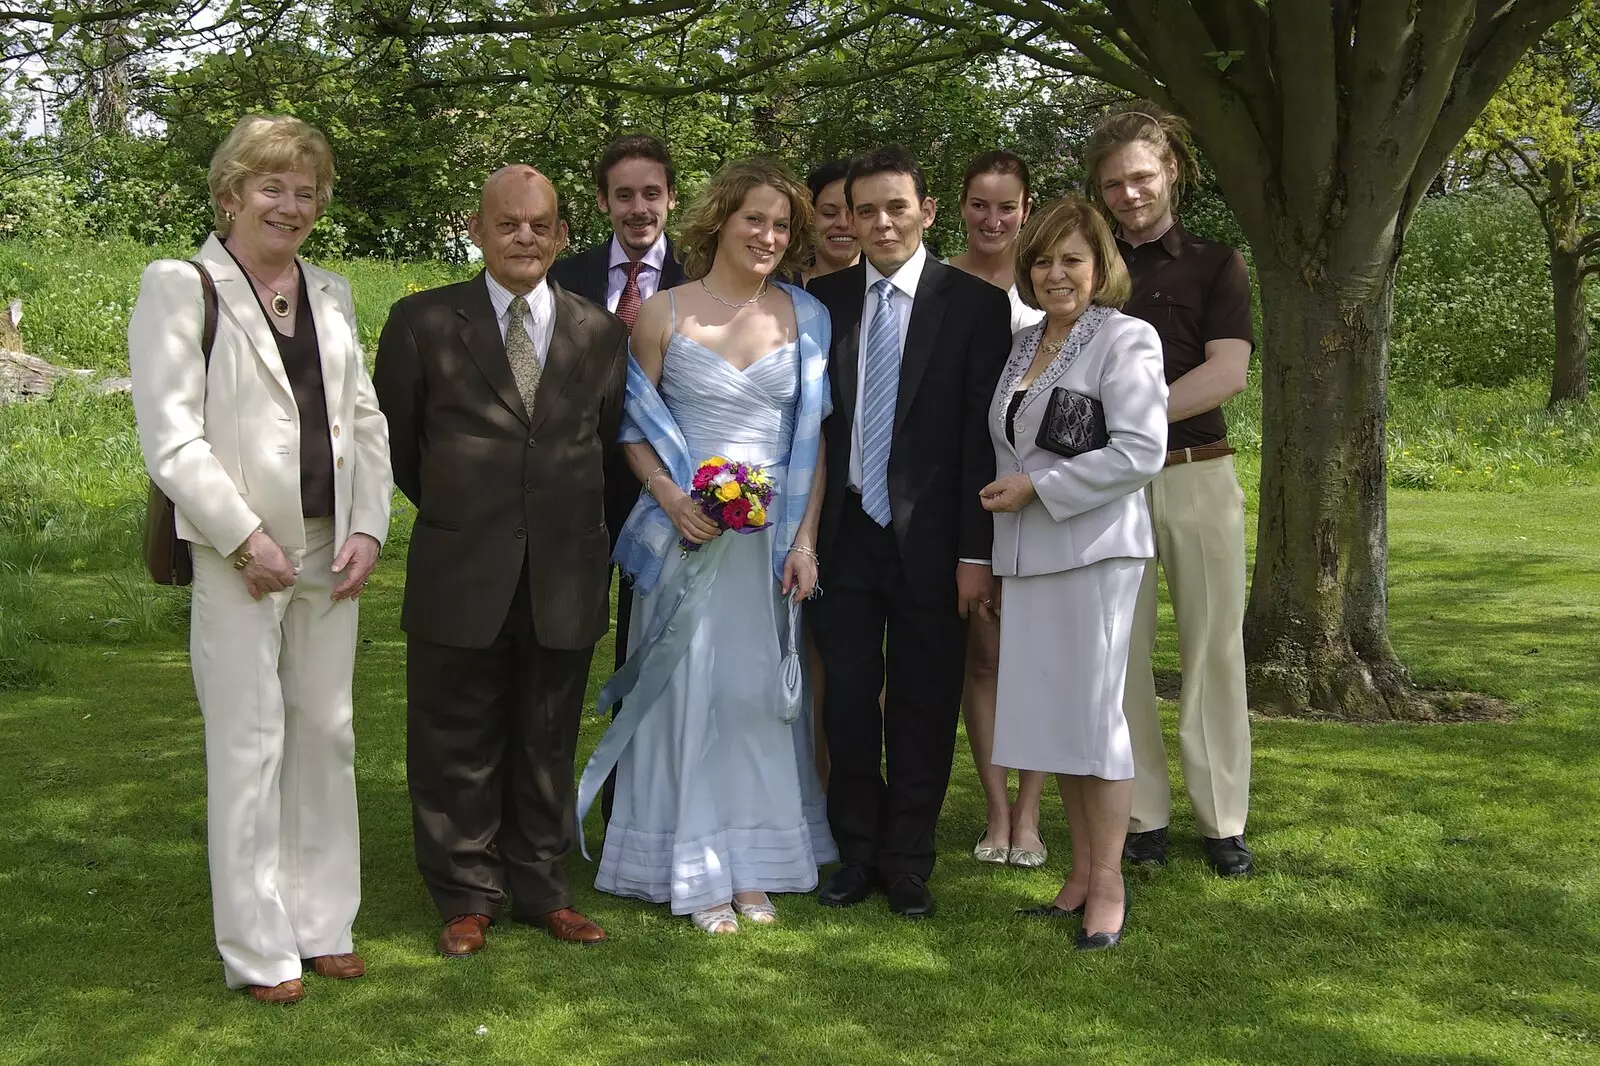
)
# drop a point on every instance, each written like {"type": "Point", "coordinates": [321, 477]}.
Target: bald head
{"type": "Point", "coordinates": [518, 226]}
{"type": "Point", "coordinates": [508, 180]}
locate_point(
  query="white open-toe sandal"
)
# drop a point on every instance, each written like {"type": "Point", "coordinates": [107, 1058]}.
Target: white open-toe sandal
{"type": "Point", "coordinates": [717, 921]}
{"type": "Point", "coordinates": [763, 913]}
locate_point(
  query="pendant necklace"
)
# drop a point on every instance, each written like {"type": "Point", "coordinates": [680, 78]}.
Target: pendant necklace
{"type": "Point", "coordinates": [762, 291]}
{"type": "Point", "coordinates": [279, 302]}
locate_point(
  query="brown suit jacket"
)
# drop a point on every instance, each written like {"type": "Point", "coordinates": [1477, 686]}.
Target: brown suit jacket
{"type": "Point", "coordinates": [496, 487]}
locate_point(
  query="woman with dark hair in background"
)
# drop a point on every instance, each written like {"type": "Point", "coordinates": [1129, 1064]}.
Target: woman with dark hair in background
{"type": "Point", "coordinates": [836, 244]}
{"type": "Point", "coordinates": [996, 196]}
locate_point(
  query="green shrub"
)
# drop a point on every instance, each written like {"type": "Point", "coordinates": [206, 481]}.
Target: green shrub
{"type": "Point", "coordinates": [1472, 302]}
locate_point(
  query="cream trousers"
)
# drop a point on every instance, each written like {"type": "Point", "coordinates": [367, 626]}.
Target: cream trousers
{"type": "Point", "coordinates": [1198, 512]}
{"type": "Point", "coordinates": [274, 679]}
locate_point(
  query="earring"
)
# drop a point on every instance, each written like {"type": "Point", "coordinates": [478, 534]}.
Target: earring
{"type": "Point", "coordinates": [228, 215]}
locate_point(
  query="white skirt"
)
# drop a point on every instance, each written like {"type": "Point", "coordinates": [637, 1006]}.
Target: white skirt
{"type": "Point", "coordinates": [1063, 664]}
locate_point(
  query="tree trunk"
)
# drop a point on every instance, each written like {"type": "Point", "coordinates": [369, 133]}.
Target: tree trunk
{"type": "Point", "coordinates": [1316, 628]}
{"type": "Point", "coordinates": [1570, 381]}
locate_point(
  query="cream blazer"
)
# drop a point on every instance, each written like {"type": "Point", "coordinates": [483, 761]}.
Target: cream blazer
{"type": "Point", "coordinates": [1089, 507]}
{"type": "Point", "coordinates": [225, 446]}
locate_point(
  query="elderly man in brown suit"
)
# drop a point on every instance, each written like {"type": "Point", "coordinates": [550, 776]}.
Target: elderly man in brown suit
{"type": "Point", "coordinates": [503, 394]}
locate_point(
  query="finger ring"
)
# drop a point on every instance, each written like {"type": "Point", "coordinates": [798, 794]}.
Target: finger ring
{"type": "Point", "coordinates": [988, 603]}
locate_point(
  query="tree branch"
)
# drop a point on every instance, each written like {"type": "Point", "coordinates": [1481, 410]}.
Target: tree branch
{"type": "Point", "coordinates": [1501, 34]}
{"type": "Point", "coordinates": [545, 24]}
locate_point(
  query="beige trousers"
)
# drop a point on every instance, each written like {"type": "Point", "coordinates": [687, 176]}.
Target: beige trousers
{"type": "Point", "coordinates": [1198, 511]}
{"type": "Point", "coordinates": [274, 681]}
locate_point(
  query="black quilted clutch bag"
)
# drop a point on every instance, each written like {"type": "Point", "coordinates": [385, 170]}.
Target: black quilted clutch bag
{"type": "Point", "coordinates": [1073, 424]}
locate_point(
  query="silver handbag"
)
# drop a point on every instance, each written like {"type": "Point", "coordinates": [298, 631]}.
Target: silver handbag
{"type": "Point", "coordinates": [792, 669]}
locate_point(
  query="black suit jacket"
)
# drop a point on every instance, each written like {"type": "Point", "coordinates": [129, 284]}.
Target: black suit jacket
{"type": "Point", "coordinates": [586, 274]}
{"type": "Point", "coordinates": [497, 487]}
{"type": "Point", "coordinates": [941, 456]}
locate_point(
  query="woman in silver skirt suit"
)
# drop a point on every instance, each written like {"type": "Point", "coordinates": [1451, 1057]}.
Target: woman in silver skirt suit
{"type": "Point", "coordinates": [1072, 537]}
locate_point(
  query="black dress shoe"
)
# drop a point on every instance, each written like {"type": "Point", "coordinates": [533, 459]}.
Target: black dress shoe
{"type": "Point", "coordinates": [1049, 910]}
{"type": "Point", "coordinates": [847, 886]}
{"type": "Point", "coordinates": [1229, 856]}
{"type": "Point", "coordinates": [1102, 941]}
{"type": "Point", "coordinates": [1146, 849]}
{"type": "Point", "coordinates": [909, 896]}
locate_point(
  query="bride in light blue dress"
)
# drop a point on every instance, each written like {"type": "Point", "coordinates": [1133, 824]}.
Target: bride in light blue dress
{"type": "Point", "coordinates": [717, 801]}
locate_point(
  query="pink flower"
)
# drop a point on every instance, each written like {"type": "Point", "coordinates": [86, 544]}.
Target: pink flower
{"type": "Point", "coordinates": [703, 476]}
{"type": "Point", "coordinates": [736, 513]}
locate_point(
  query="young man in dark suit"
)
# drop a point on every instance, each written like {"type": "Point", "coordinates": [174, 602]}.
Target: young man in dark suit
{"type": "Point", "coordinates": [635, 187]}
{"type": "Point", "coordinates": [503, 394]}
{"type": "Point", "coordinates": [916, 353]}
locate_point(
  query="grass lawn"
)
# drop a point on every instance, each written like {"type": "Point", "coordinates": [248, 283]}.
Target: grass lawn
{"type": "Point", "coordinates": [1427, 894]}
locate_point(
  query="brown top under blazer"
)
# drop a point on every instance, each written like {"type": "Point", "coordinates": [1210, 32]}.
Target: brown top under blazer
{"type": "Point", "coordinates": [497, 487]}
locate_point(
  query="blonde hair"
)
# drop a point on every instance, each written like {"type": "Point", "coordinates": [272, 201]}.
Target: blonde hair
{"type": "Point", "coordinates": [268, 144]}
{"type": "Point", "coordinates": [1061, 219]}
{"type": "Point", "coordinates": [1141, 122]}
{"type": "Point", "coordinates": [725, 194]}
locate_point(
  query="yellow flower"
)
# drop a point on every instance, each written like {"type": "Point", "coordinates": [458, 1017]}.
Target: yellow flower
{"type": "Point", "coordinates": [728, 492]}
{"type": "Point", "coordinates": [715, 460]}
{"type": "Point", "coordinates": [758, 516]}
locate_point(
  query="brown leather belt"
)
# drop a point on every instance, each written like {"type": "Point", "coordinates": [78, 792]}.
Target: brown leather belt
{"type": "Point", "coordinates": [1200, 454]}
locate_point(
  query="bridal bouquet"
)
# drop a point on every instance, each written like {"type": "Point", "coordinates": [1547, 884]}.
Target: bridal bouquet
{"type": "Point", "coordinates": [733, 495]}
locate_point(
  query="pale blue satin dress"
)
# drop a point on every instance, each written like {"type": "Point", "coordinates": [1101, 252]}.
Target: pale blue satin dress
{"type": "Point", "coordinates": [716, 794]}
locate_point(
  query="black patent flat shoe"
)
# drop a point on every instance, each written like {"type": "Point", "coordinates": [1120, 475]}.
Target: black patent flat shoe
{"type": "Point", "coordinates": [1050, 910]}
{"type": "Point", "coordinates": [1103, 941]}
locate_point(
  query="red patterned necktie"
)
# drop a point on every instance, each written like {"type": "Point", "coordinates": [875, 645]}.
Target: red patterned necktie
{"type": "Point", "coordinates": [629, 302]}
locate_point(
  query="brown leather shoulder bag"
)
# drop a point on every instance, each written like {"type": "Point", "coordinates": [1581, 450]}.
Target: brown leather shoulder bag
{"type": "Point", "coordinates": [166, 556]}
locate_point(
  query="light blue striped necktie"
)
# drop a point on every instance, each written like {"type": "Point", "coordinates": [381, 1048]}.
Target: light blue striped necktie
{"type": "Point", "coordinates": [880, 389]}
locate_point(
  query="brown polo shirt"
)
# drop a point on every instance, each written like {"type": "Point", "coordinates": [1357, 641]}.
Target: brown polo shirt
{"type": "Point", "coordinates": [1192, 291]}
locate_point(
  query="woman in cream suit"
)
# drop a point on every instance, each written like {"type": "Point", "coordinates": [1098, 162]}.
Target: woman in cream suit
{"type": "Point", "coordinates": [1072, 536]}
{"type": "Point", "coordinates": [276, 458]}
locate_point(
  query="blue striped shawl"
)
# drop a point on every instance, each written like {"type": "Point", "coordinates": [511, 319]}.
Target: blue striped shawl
{"type": "Point", "coordinates": [649, 534]}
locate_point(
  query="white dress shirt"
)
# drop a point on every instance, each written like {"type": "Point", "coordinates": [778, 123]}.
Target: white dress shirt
{"type": "Point", "coordinates": [540, 321]}
{"type": "Point", "coordinates": [902, 295]}
{"type": "Point", "coordinates": [649, 274]}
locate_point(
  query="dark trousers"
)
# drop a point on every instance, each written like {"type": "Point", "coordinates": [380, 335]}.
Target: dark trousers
{"type": "Point", "coordinates": [608, 791]}
{"type": "Point", "coordinates": [875, 637]}
{"type": "Point", "coordinates": [490, 738]}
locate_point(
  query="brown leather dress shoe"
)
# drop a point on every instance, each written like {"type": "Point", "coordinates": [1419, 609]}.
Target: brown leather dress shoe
{"type": "Point", "coordinates": [338, 967]}
{"type": "Point", "coordinates": [463, 935]}
{"type": "Point", "coordinates": [283, 993]}
{"type": "Point", "coordinates": [567, 924]}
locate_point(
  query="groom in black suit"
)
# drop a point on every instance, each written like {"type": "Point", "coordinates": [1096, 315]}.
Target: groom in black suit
{"type": "Point", "coordinates": [917, 351]}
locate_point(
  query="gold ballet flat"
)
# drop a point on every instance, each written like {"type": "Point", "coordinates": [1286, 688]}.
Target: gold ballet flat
{"type": "Point", "coordinates": [1031, 860]}
{"type": "Point", "coordinates": [993, 856]}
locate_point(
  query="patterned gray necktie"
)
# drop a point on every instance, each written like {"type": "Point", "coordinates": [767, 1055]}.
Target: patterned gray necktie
{"type": "Point", "coordinates": [522, 355]}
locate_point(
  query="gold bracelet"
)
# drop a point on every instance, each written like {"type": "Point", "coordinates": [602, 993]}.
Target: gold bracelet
{"type": "Point", "coordinates": [242, 555]}
{"type": "Point", "coordinates": [809, 553]}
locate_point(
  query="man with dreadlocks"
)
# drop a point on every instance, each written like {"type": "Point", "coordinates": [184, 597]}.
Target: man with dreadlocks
{"type": "Point", "coordinates": [1196, 293]}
